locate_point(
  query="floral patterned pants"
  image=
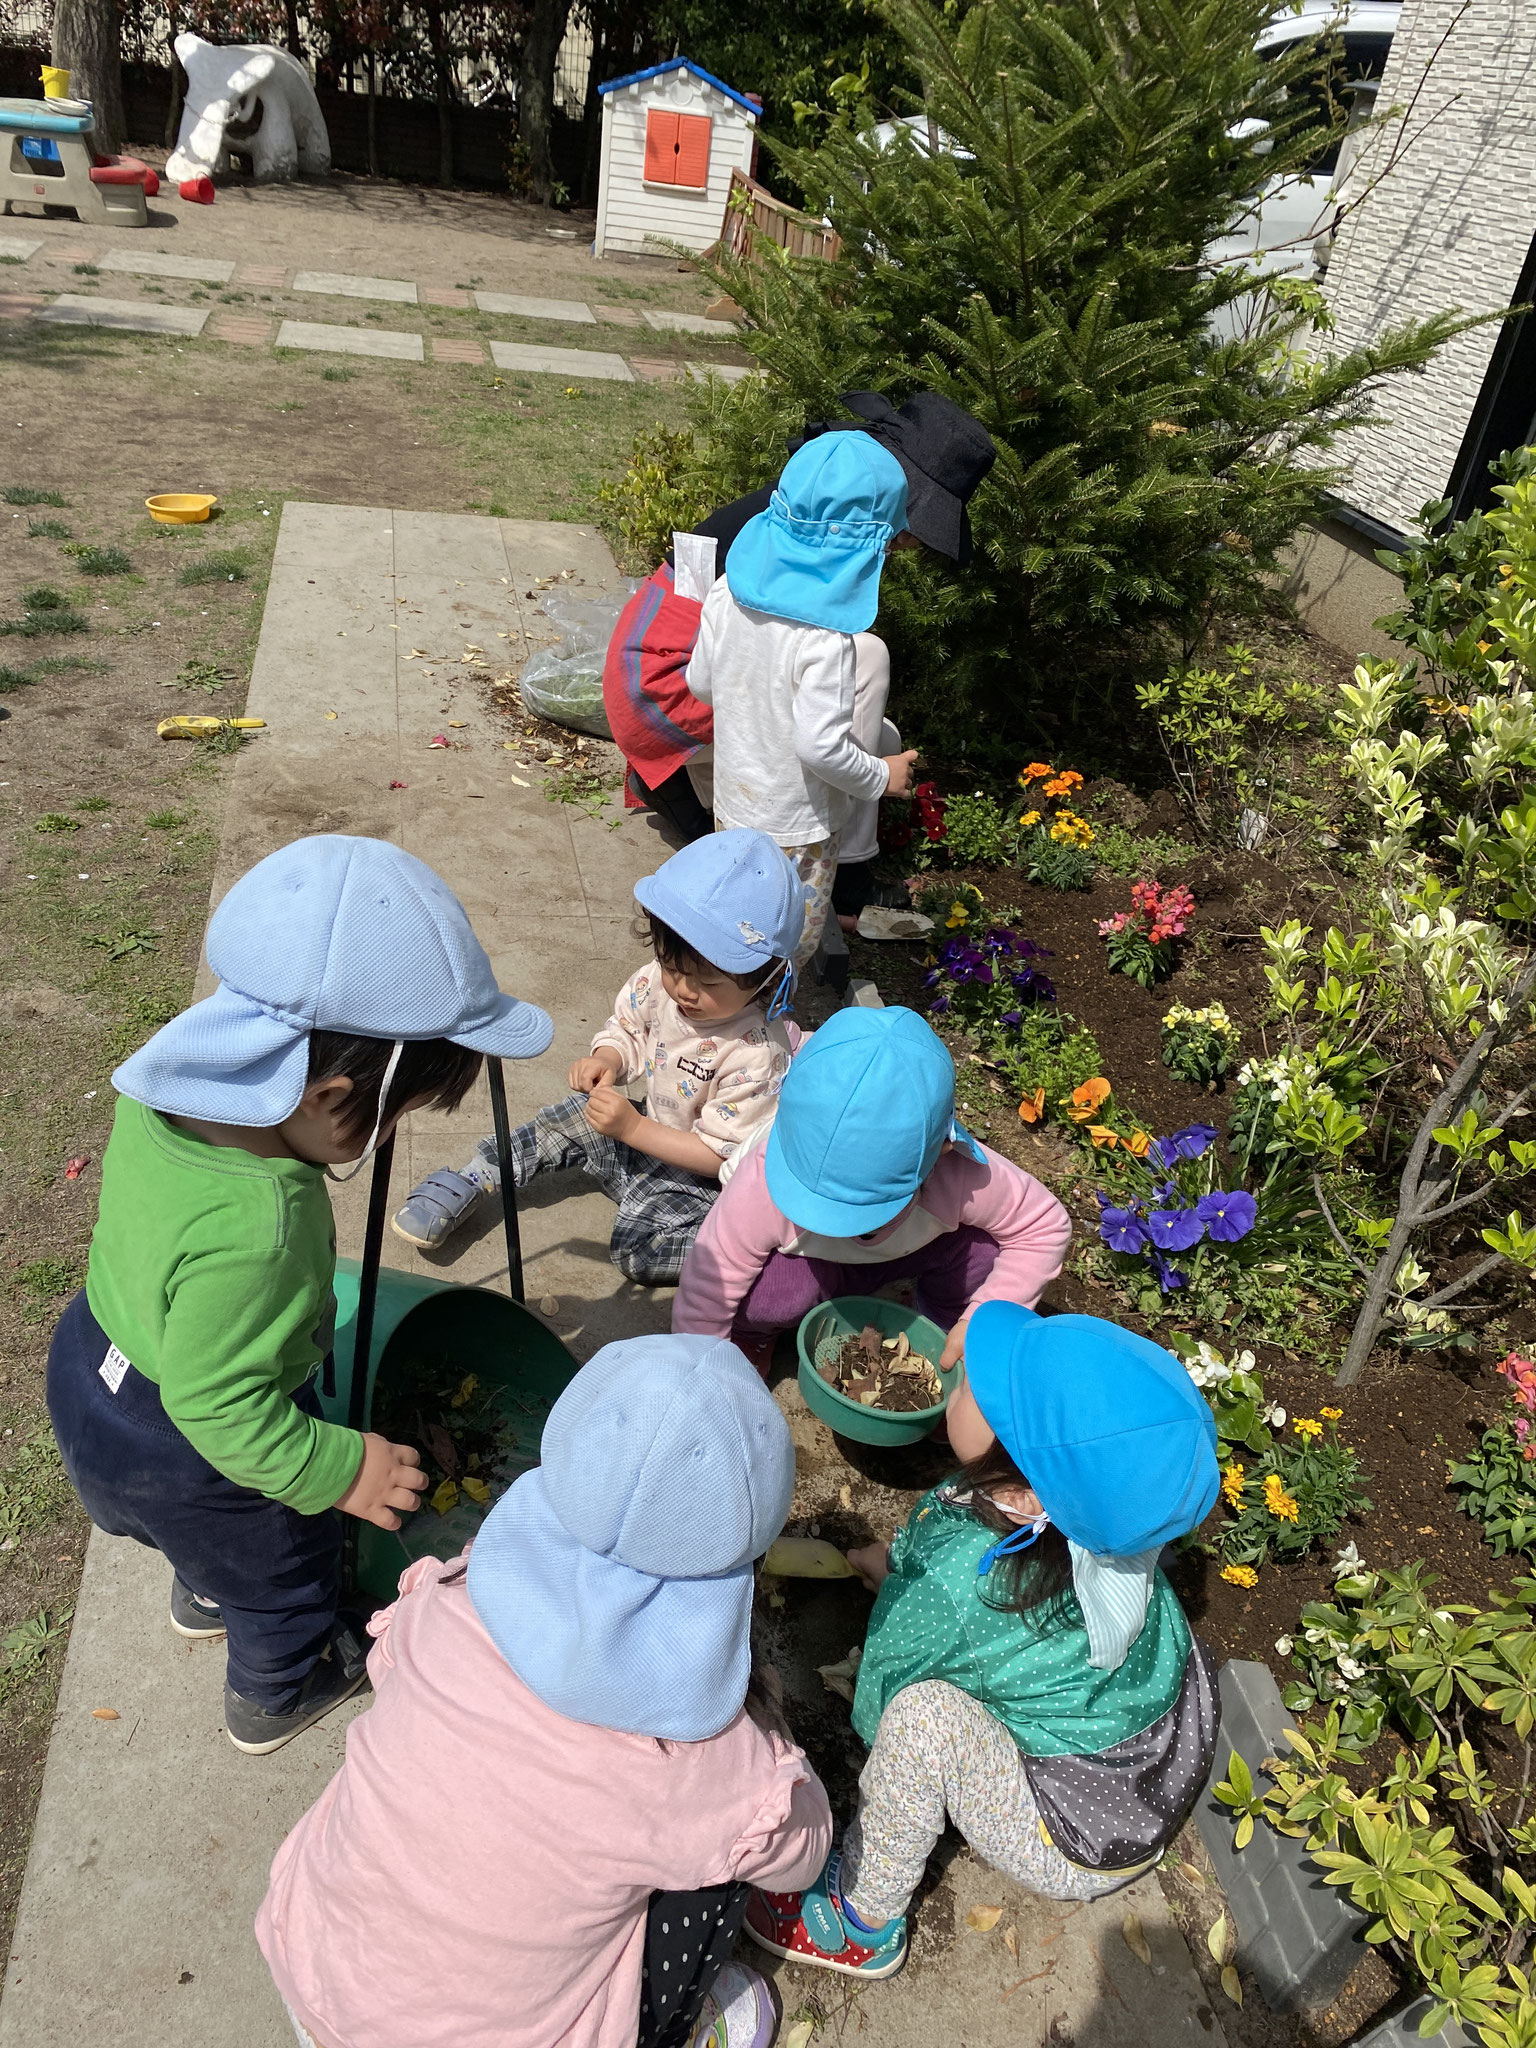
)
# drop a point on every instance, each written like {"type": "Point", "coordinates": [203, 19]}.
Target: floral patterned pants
{"type": "Point", "coordinates": [940, 1753]}
{"type": "Point", "coordinates": [817, 868]}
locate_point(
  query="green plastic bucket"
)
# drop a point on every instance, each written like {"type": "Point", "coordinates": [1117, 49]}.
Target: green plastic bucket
{"type": "Point", "coordinates": [822, 1334]}
{"type": "Point", "coordinates": [418, 1322]}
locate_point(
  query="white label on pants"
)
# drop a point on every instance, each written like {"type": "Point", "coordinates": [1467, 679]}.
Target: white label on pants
{"type": "Point", "coordinates": [113, 1367]}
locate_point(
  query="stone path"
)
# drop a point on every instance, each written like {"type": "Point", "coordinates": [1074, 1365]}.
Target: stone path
{"type": "Point", "coordinates": [145, 316]}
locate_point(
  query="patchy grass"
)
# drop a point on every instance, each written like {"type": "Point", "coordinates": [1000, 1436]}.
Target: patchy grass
{"type": "Point", "coordinates": [27, 494]}
{"type": "Point", "coordinates": [537, 454]}
{"type": "Point", "coordinates": [94, 561]}
{"type": "Point", "coordinates": [47, 529]}
{"type": "Point", "coordinates": [219, 565]}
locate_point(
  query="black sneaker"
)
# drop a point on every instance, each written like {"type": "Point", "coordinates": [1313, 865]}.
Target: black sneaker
{"type": "Point", "coordinates": [341, 1671]}
{"type": "Point", "coordinates": [191, 1615]}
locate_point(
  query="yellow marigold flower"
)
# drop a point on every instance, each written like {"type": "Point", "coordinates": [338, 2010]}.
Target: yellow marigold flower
{"type": "Point", "coordinates": [1232, 1485]}
{"type": "Point", "coordinates": [1239, 1575]}
{"type": "Point", "coordinates": [1306, 1427]}
{"type": "Point", "coordinates": [1331, 1414]}
{"type": "Point", "coordinates": [1280, 1503]}
{"type": "Point", "coordinates": [1030, 818]}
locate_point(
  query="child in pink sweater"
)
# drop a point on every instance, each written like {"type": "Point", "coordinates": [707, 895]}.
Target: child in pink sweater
{"type": "Point", "coordinates": [547, 1824]}
{"type": "Point", "coordinates": [864, 1178]}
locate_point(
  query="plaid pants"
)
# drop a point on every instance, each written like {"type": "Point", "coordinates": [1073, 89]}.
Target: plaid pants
{"type": "Point", "coordinates": [660, 1205]}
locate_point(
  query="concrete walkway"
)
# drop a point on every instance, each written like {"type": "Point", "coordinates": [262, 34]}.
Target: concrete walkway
{"type": "Point", "coordinates": [153, 1836]}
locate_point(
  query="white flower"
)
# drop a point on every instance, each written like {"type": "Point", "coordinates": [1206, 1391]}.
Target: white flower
{"type": "Point", "coordinates": [1351, 1668]}
{"type": "Point", "coordinates": [1244, 1362]}
{"type": "Point", "coordinates": [1283, 1646]}
{"type": "Point", "coordinates": [1312, 1635]}
{"type": "Point", "coordinates": [1274, 1415]}
{"type": "Point", "coordinates": [1346, 1561]}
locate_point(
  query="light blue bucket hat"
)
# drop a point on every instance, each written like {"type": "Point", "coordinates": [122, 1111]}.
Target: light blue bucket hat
{"type": "Point", "coordinates": [734, 897]}
{"type": "Point", "coordinates": [816, 554]}
{"type": "Point", "coordinates": [331, 933]}
{"type": "Point", "coordinates": [864, 1113]}
{"type": "Point", "coordinates": [616, 1578]}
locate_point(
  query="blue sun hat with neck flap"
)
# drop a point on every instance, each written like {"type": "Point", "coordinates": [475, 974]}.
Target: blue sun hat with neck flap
{"type": "Point", "coordinates": [330, 933]}
{"type": "Point", "coordinates": [736, 900]}
{"type": "Point", "coordinates": [866, 1109]}
{"type": "Point", "coordinates": [816, 554]}
{"type": "Point", "coordinates": [616, 1577]}
{"type": "Point", "coordinates": [1116, 1442]}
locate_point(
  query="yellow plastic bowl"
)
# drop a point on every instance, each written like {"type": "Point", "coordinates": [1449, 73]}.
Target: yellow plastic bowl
{"type": "Point", "coordinates": [180, 508]}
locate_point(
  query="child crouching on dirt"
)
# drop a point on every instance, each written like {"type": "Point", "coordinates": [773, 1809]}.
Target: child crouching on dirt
{"type": "Point", "coordinates": [699, 1025]}
{"type": "Point", "coordinates": [548, 1822]}
{"type": "Point", "coordinates": [1028, 1671]}
{"type": "Point", "coordinates": [864, 1178]}
{"type": "Point", "coordinates": [180, 1378]}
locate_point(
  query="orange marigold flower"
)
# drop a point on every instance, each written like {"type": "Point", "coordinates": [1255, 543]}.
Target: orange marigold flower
{"type": "Point", "coordinates": [1033, 773]}
{"type": "Point", "coordinates": [1104, 1137]}
{"type": "Point", "coordinates": [1083, 1102]}
{"type": "Point", "coordinates": [1032, 1108]}
{"type": "Point", "coordinates": [1057, 786]}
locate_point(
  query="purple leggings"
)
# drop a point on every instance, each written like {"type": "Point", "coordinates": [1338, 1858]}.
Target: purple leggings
{"type": "Point", "coordinates": [948, 1271]}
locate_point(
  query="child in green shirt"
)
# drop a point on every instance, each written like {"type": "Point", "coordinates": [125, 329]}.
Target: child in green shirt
{"type": "Point", "coordinates": [1028, 1671]}
{"type": "Point", "coordinates": [180, 1378]}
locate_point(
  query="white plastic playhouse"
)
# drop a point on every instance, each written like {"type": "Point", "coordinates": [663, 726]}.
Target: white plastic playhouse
{"type": "Point", "coordinates": [671, 138]}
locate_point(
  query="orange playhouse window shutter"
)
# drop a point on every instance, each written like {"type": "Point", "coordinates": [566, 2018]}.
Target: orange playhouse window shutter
{"type": "Point", "coordinates": [660, 147]}
{"type": "Point", "coordinates": [692, 151]}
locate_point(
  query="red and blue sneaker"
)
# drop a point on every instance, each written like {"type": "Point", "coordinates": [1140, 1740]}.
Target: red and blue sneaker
{"type": "Point", "coordinates": [814, 1926]}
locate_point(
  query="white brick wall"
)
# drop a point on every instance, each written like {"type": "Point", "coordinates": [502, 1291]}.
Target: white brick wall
{"type": "Point", "coordinates": [1450, 225]}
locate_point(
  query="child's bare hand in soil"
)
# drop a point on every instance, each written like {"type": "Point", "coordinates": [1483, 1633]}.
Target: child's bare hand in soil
{"type": "Point", "coordinates": [611, 1112]}
{"type": "Point", "coordinates": [872, 1562]}
{"type": "Point", "coordinates": [899, 769]}
{"type": "Point", "coordinates": [389, 1477]}
{"type": "Point", "coordinates": [593, 1072]}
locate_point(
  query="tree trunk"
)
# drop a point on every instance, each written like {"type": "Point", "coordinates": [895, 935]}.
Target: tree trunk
{"type": "Point", "coordinates": [536, 92]}
{"type": "Point", "coordinates": [592, 118]}
{"type": "Point", "coordinates": [291, 34]}
{"type": "Point", "coordinates": [373, 102]}
{"type": "Point", "coordinates": [442, 73]}
{"type": "Point", "coordinates": [85, 44]}
{"type": "Point", "coordinates": [173, 109]}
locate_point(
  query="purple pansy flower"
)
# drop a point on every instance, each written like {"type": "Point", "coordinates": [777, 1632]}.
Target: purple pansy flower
{"type": "Point", "coordinates": [1175, 1230]}
{"type": "Point", "coordinates": [1228, 1216]}
{"type": "Point", "coordinates": [1169, 1278]}
{"type": "Point", "coordinates": [1192, 1140]}
{"type": "Point", "coordinates": [1122, 1229]}
{"type": "Point", "coordinates": [1012, 1018]}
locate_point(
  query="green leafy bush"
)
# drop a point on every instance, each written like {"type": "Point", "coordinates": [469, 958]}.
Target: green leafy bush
{"type": "Point", "coordinates": [1057, 863]}
{"type": "Point", "coordinates": [1231, 740]}
{"type": "Point", "coordinates": [1199, 1046]}
{"type": "Point", "coordinates": [978, 832]}
{"type": "Point", "coordinates": [1497, 1483]}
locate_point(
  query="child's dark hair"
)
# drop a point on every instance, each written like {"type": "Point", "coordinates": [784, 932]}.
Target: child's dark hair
{"type": "Point", "coordinates": [1036, 1581]}
{"type": "Point", "coordinates": [676, 953]}
{"type": "Point", "coordinates": [434, 1067]}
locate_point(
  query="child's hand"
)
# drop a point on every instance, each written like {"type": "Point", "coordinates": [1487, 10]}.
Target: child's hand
{"type": "Point", "coordinates": [389, 1477]}
{"type": "Point", "coordinates": [610, 1112]}
{"type": "Point", "coordinates": [898, 768]}
{"type": "Point", "coordinates": [872, 1562]}
{"type": "Point", "coordinates": [590, 1073]}
{"type": "Point", "coordinates": [954, 1348]}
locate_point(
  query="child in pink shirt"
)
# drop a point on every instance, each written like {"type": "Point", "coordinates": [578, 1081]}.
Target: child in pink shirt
{"type": "Point", "coordinates": [547, 1824]}
{"type": "Point", "coordinates": [865, 1177]}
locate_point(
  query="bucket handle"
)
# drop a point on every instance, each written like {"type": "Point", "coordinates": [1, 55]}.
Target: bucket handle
{"type": "Point", "coordinates": [498, 1086]}
{"type": "Point", "coordinates": [368, 1282]}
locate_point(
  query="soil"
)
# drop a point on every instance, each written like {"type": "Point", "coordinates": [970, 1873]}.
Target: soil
{"type": "Point", "coordinates": [877, 1375]}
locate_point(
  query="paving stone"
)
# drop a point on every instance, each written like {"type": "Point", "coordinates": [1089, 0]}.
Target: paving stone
{"type": "Point", "coordinates": [350, 341]}
{"type": "Point", "coordinates": [663, 370]}
{"type": "Point", "coordinates": [342, 284]}
{"type": "Point", "coordinates": [1301, 1938]}
{"type": "Point", "coordinates": [267, 277]}
{"type": "Point", "coordinates": [155, 263]}
{"type": "Point", "coordinates": [536, 309]}
{"type": "Point", "coordinates": [728, 373]}
{"type": "Point", "coordinates": [561, 362]}
{"type": "Point", "coordinates": [450, 350]}
{"type": "Point", "coordinates": [443, 295]}
{"type": "Point", "coordinates": [241, 327]}
{"type": "Point", "coordinates": [620, 316]}
{"type": "Point", "coordinates": [667, 322]}
{"type": "Point", "coordinates": [137, 316]}
{"type": "Point", "coordinates": [13, 245]}
{"type": "Point", "coordinates": [20, 305]}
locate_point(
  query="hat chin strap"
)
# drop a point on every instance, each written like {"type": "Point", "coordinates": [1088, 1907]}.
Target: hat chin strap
{"type": "Point", "coordinates": [368, 1150]}
{"type": "Point", "coordinates": [1010, 1546]}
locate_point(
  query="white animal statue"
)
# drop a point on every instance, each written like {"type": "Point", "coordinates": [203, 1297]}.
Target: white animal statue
{"type": "Point", "coordinates": [260, 93]}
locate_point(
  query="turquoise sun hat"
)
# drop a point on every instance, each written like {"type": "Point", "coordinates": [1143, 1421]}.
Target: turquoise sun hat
{"type": "Point", "coordinates": [1105, 1425]}
{"type": "Point", "coordinates": [816, 554]}
{"type": "Point", "coordinates": [616, 1578]}
{"type": "Point", "coordinates": [864, 1113]}
{"type": "Point", "coordinates": [330, 933]}
{"type": "Point", "coordinates": [734, 897]}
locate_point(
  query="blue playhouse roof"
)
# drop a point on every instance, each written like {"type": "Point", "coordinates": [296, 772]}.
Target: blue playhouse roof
{"type": "Point", "coordinates": [684, 64]}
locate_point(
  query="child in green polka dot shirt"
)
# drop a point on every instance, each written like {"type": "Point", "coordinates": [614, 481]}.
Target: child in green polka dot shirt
{"type": "Point", "coordinates": [1028, 1671]}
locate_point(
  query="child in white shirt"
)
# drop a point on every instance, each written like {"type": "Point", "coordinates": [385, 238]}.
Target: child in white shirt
{"type": "Point", "coordinates": [698, 1025]}
{"type": "Point", "coordinates": [776, 658]}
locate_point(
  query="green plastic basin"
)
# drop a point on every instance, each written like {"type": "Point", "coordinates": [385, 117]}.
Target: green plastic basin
{"type": "Point", "coordinates": [822, 1333]}
{"type": "Point", "coordinates": [420, 1322]}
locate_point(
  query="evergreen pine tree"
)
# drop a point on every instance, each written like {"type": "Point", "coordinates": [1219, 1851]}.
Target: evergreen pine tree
{"type": "Point", "coordinates": [1045, 267]}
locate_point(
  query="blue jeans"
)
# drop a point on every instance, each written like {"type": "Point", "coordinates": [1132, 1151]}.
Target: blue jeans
{"type": "Point", "coordinates": [275, 1573]}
